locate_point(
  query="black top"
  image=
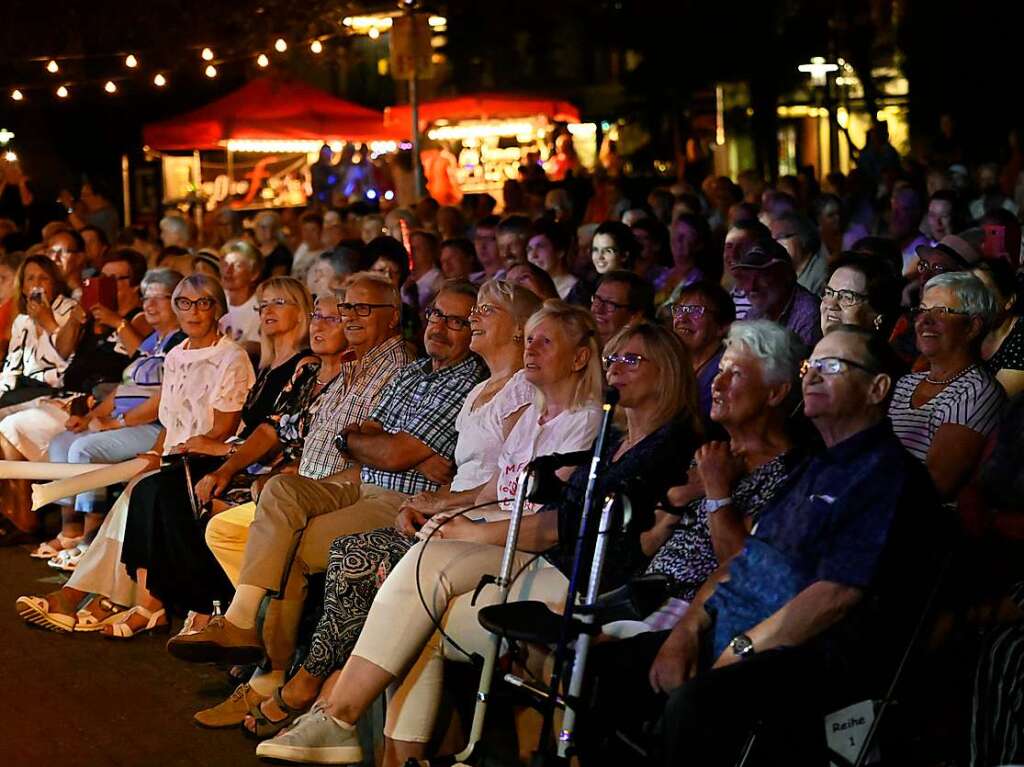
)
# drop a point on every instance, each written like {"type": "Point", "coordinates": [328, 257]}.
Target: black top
{"type": "Point", "coordinates": [270, 382]}
{"type": "Point", "coordinates": [645, 472]}
{"type": "Point", "coordinates": [279, 256]}
{"type": "Point", "coordinates": [1010, 354]}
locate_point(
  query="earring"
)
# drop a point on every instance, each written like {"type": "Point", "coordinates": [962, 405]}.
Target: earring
{"type": "Point", "coordinates": [517, 339]}
{"type": "Point", "coordinates": [878, 322]}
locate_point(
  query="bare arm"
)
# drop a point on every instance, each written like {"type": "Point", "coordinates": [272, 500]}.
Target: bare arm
{"type": "Point", "coordinates": [815, 609]}
{"type": "Point", "coordinates": [952, 458]}
{"type": "Point", "coordinates": [387, 452]}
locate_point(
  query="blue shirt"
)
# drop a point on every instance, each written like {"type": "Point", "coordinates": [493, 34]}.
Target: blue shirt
{"type": "Point", "coordinates": [833, 521]}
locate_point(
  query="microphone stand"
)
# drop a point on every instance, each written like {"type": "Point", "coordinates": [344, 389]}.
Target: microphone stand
{"type": "Point", "coordinates": [542, 755]}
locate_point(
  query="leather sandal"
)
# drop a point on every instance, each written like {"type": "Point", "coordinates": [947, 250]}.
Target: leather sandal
{"type": "Point", "coordinates": [92, 619]}
{"type": "Point", "coordinates": [264, 726]}
{"type": "Point", "coordinates": [121, 629]}
{"type": "Point", "coordinates": [37, 611]}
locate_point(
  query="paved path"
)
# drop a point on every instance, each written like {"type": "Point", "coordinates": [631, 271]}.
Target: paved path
{"type": "Point", "coordinates": [83, 701]}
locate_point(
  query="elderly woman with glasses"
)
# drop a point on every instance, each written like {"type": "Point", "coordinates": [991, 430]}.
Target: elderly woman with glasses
{"type": "Point", "coordinates": [701, 319]}
{"type": "Point", "coordinates": [943, 416]}
{"type": "Point", "coordinates": [649, 368]}
{"type": "Point", "coordinates": [205, 382]}
{"type": "Point", "coordinates": [860, 291]}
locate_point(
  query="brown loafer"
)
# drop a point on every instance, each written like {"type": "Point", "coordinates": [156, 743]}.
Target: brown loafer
{"type": "Point", "coordinates": [219, 642]}
{"type": "Point", "coordinates": [231, 712]}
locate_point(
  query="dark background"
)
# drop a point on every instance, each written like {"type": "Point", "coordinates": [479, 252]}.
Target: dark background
{"type": "Point", "coordinates": [960, 57]}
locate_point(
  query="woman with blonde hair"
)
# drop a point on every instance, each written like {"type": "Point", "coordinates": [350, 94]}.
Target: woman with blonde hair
{"type": "Point", "coordinates": [657, 392]}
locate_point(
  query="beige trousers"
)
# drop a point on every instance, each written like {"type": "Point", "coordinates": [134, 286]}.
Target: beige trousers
{"type": "Point", "coordinates": [289, 537]}
{"type": "Point", "coordinates": [401, 638]}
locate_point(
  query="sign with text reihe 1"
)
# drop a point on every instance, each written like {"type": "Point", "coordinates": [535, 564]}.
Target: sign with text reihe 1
{"type": "Point", "coordinates": [410, 47]}
{"type": "Point", "coordinates": [847, 729]}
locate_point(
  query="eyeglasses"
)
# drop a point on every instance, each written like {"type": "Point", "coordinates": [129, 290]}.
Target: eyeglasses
{"type": "Point", "coordinates": [451, 321]}
{"type": "Point", "coordinates": [484, 310]}
{"type": "Point", "coordinates": [694, 310]}
{"type": "Point", "coordinates": [330, 319]}
{"type": "Point", "coordinates": [277, 303]}
{"type": "Point", "coordinates": [925, 267]}
{"type": "Point", "coordinates": [204, 304]}
{"type": "Point", "coordinates": [936, 313]}
{"type": "Point", "coordinates": [629, 359]}
{"type": "Point", "coordinates": [361, 310]}
{"type": "Point", "coordinates": [845, 298]}
{"type": "Point", "coordinates": [598, 304]}
{"type": "Point", "coordinates": [830, 366]}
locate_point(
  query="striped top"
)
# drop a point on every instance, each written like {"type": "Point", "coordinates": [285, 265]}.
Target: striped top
{"type": "Point", "coordinates": [974, 400]}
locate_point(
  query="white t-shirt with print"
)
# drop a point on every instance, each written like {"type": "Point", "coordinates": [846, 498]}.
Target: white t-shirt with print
{"type": "Point", "coordinates": [569, 431]}
{"type": "Point", "coordinates": [242, 323]}
{"type": "Point", "coordinates": [198, 382]}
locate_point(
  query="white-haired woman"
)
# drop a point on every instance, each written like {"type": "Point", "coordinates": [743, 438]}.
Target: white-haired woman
{"type": "Point", "coordinates": [944, 416]}
{"type": "Point", "coordinates": [277, 259]}
{"type": "Point", "coordinates": [730, 482]}
{"type": "Point", "coordinates": [205, 382]}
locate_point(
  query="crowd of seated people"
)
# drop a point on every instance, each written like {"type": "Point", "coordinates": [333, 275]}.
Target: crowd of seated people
{"type": "Point", "coordinates": [817, 410]}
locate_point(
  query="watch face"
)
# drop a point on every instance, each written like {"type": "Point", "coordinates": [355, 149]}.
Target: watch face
{"type": "Point", "coordinates": [741, 645]}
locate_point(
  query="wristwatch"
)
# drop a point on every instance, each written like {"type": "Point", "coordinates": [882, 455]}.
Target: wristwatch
{"type": "Point", "coordinates": [120, 420]}
{"type": "Point", "coordinates": [741, 646]}
{"type": "Point", "coordinates": [712, 505]}
{"type": "Point", "coordinates": [341, 442]}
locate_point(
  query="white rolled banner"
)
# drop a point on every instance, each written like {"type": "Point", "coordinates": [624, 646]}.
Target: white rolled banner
{"type": "Point", "coordinates": [111, 474]}
{"type": "Point", "coordinates": [41, 470]}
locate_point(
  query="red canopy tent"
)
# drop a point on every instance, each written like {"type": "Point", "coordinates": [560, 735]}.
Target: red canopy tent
{"type": "Point", "coordinates": [482, 106]}
{"type": "Point", "coordinates": [270, 109]}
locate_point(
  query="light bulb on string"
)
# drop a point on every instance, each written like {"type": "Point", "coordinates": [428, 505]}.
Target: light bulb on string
{"type": "Point", "coordinates": [374, 33]}
{"type": "Point", "coordinates": [263, 60]}
{"type": "Point", "coordinates": [207, 54]}
{"type": "Point", "coordinates": [52, 67]}
{"type": "Point", "coordinates": [316, 46]}
{"type": "Point", "coordinates": [210, 71]}
{"type": "Point", "coordinates": [130, 61]}
{"type": "Point", "coordinates": [63, 92]}
{"type": "Point", "coordinates": [159, 80]}
{"type": "Point", "coordinates": [110, 86]}
{"type": "Point", "coordinates": [17, 95]}
{"type": "Point", "coordinates": [280, 45]}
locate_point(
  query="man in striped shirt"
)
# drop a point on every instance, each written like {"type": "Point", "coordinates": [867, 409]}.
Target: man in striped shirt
{"type": "Point", "coordinates": [399, 447]}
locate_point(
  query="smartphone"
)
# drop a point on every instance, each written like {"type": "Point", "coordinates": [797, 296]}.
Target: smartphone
{"type": "Point", "coordinates": [101, 291]}
{"type": "Point", "coordinates": [36, 295]}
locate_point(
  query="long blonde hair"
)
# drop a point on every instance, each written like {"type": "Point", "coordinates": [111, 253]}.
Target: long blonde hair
{"type": "Point", "coordinates": [579, 328]}
{"type": "Point", "coordinates": [295, 291]}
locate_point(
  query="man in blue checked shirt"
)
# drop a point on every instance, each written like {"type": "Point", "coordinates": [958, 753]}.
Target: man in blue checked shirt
{"type": "Point", "coordinates": [405, 447]}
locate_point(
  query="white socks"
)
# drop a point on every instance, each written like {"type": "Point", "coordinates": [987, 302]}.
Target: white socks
{"type": "Point", "coordinates": [245, 606]}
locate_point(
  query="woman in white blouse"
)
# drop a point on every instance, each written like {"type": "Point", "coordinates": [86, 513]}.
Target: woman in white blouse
{"type": "Point", "coordinates": [205, 382]}
{"type": "Point", "coordinates": [42, 343]}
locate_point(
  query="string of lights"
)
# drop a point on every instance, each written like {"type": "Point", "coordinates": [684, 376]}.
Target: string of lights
{"type": "Point", "coordinates": [133, 63]}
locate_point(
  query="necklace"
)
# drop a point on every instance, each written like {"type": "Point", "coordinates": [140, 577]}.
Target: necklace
{"type": "Point", "coordinates": [944, 381]}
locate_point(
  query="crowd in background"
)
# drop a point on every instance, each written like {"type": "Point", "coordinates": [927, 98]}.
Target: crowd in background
{"type": "Point", "coordinates": [818, 388]}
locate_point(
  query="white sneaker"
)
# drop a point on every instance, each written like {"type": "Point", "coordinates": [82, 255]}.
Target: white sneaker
{"type": "Point", "coordinates": [314, 738]}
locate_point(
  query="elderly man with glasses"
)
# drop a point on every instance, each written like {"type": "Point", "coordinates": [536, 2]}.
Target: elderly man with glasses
{"type": "Point", "coordinates": [395, 452]}
{"type": "Point", "coordinates": [814, 611]}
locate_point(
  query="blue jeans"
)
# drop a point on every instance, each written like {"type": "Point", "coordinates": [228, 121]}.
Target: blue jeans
{"type": "Point", "coordinates": [111, 446]}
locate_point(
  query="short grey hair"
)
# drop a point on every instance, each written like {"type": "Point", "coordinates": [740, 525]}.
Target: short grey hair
{"type": "Point", "coordinates": [176, 225]}
{"type": "Point", "coordinates": [247, 249]}
{"type": "Point", "coordinates": [778, 349]}
{"type": "Point", "coordinates": [168, 278]}
{"type": "Point", "coordinates": [210, 286]}
{"type": "Point", "coordinates": [381, 283]}
{"type": "Point", "coordinates": [971, 293]}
